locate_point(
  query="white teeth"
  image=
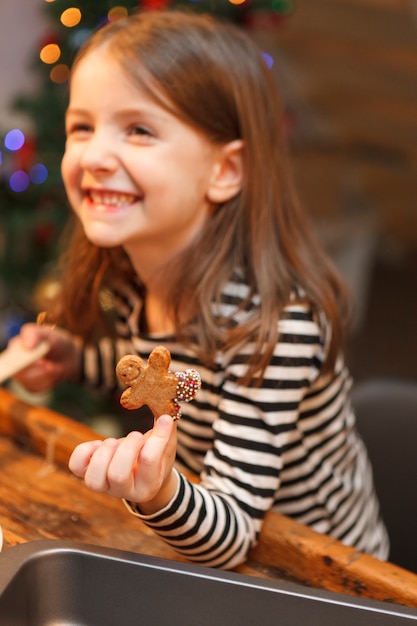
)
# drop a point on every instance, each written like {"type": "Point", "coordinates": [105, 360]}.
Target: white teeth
{"type": "Point", "coordinates": [111, 198]}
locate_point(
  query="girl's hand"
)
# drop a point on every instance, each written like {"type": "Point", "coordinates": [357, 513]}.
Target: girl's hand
{"type": "Point", "coordinates": [138, 467]}
{"type": "Point", "coordinates": [60, 363]}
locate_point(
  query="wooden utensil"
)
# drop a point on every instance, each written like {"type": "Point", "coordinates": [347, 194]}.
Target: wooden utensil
{"type": "Point", "coordinates": [16, 357]}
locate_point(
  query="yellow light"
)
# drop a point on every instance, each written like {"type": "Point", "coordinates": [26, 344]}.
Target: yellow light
{"type": "Point", "coordinates": [237, 1]}
{"type": "Point", "coordinates": [49, 0]}
{"type": "Point", "coordinates": [71, 17]}
{"type": "Point", "coordinates": [59, 73]}
{"type": "Point", "coordinates": [50, 53]}
{"type": "Point", "coordinates": [117, 13]}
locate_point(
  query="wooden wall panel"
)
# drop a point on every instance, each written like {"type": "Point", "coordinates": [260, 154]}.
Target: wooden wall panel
{"type": "Point", "coordinates": [348, 74]}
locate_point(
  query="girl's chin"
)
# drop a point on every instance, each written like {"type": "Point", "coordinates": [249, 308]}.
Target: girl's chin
{"type": "Point", "coordinates": [103, 240]}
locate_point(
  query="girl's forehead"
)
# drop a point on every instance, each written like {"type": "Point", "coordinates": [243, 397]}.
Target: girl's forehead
{"type": "Point", "coordinates": [99, 74]}
{"type": "Point", "coordinates": [103, 60]}
{"type": "Point", "coordinates": [97, 56]}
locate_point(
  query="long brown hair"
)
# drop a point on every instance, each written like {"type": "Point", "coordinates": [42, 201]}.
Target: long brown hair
{"type": "Point", "coordinates": [214, 77]}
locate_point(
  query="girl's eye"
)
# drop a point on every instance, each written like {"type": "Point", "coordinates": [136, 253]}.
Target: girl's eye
{"type": "Point", "coordinates": [79, 129]}
{"type": "Point", "coordinates": [140, 131]}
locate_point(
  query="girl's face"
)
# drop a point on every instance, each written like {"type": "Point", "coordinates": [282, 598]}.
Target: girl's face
{"type": "Point", "coordinates": [135, 174]}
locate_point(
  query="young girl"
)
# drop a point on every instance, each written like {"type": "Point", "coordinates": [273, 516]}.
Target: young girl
{"type": "Point", "coordinates": [177, 174]}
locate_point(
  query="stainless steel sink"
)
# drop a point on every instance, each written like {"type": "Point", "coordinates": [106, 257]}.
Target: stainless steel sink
{"type": "Point", "coordinates": [55, 583]}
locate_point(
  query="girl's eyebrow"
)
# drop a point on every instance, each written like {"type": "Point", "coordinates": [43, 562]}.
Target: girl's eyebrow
{"type": "Point", "coordinates": [160, 115]}
{"type": "Point", "coordinates": [75, 111]}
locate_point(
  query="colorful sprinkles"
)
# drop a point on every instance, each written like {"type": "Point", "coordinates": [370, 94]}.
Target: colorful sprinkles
{"type": "Point", "coordinates": [189, 383]}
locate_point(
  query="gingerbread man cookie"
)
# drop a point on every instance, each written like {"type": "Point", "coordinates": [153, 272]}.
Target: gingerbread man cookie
{"type": "Point", "coordinates": [154, 385]}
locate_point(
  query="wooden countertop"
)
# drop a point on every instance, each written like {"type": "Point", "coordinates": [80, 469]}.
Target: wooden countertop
{"type": "Point", "coordinates": [41, 499]}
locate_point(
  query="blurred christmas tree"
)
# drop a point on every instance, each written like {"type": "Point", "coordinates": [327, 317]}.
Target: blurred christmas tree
{"type": "Point", "coordinates": [33, 207]}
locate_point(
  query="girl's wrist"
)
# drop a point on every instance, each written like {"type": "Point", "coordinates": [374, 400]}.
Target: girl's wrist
{"type": "Point", "coordinates": [163, 498]}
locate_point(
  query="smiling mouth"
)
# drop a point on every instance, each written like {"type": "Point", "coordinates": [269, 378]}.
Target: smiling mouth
{"type": "Point", "coordinates": [111, 198]}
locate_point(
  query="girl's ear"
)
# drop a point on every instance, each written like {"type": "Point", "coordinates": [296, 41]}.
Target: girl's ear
{"type": "Point", "coordinates": [227, 177]}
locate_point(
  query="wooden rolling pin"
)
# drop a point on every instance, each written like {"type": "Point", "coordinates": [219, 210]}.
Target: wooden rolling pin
{"type": "Point", "coordinates": [41, 430]}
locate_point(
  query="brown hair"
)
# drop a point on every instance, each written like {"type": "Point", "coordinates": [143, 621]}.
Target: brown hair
{"type": "Point", "coordinates": [215, 78]}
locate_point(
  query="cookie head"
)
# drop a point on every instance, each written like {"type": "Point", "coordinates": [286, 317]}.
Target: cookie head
{"type": "Point", "coordinates": [129, 369]}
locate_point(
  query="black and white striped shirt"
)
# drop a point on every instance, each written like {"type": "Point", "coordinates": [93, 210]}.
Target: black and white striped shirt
{"type": "Point", "coordinates": [289, 445]}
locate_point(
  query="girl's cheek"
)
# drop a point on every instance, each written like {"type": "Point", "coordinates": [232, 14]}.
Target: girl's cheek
{"type": "Point", "coordinates": [69, 165]}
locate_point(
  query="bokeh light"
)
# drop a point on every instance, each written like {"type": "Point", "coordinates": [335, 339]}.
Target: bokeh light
{"type": "Point", "coordinates": [59, 73]}
{"type": "Point", "coordinates": [14, 139]}
{"type": "Point", "coordinates": [50, 53]}
{"type": "Point", "coordinates": [117, 13]}
{"type": "Point", "coordinates": [237, 1]}
{"type": "Point", "coordinates": [71, 17]}
{"type": "Point", "coordinates": [38, 174]}
{"type": "Point", "coordinates": [19, 181]}
{"type": "Point", "coordinates": [268, 59]}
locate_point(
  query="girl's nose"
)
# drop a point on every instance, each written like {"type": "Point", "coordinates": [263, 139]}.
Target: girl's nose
{"type": "Point", "coordinates": [98, 154]}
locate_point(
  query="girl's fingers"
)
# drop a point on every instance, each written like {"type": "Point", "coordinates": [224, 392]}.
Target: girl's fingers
{"type": "Point", "coordinates": [157, 451]}
{"type": "Point", "coordinates": [134, 467]}
{"type": "Point", "coordinates": [80, 458]}
{"type": "Point", "coordinates": [95, 476]}
{"type": "Point", "coordinates": [121, 471]}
